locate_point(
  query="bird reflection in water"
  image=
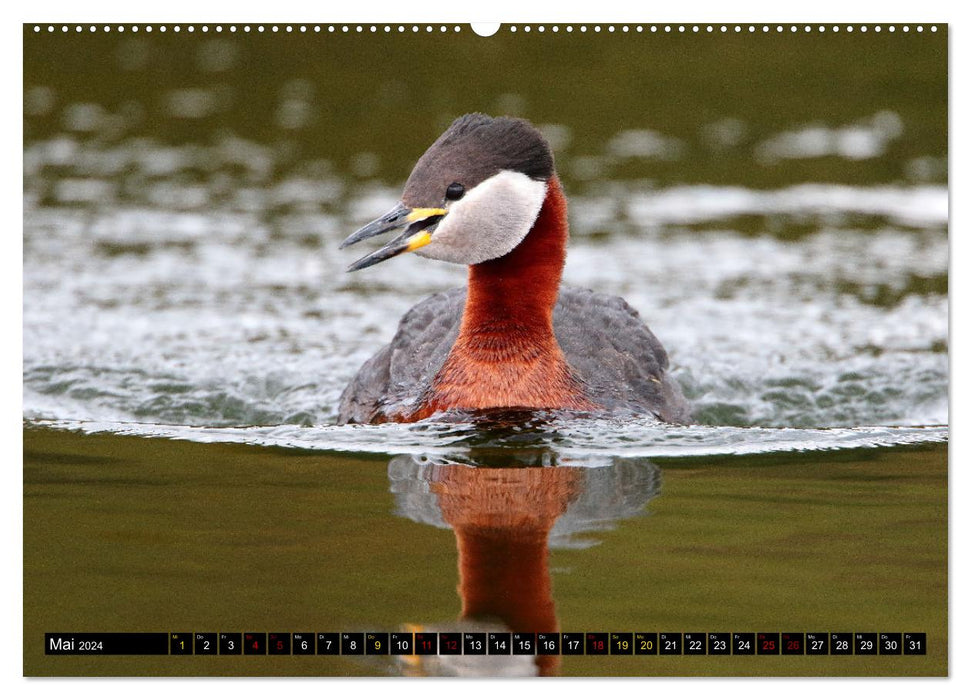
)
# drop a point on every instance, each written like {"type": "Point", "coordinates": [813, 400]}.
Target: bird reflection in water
{"type": "Point", "coordinates": [506, 520]}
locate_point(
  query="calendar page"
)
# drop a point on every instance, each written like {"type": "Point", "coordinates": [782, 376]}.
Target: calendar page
{"type": "Point", "coordinates": [525, 349]}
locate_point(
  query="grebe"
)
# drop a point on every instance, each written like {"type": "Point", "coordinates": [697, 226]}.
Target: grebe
{"type": "Point", "coordinates": [486, 195]}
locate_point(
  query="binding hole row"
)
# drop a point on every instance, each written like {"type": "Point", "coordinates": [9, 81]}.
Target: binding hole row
{"type": "Point", "coordinates": [415, 28]}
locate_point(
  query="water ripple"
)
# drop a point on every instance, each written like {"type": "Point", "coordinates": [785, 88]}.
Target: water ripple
{"type": "Point", "coordinates": [547, 442]}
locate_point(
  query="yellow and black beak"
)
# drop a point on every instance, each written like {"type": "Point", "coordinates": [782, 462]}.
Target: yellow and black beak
{"type": "Point", "coordinates": [418, 222]}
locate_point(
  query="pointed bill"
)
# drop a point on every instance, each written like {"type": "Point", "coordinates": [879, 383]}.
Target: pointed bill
{"type": "Point", "coordinates": [400, 215]}
{"type": "Point", "coordinates": [412, 239]}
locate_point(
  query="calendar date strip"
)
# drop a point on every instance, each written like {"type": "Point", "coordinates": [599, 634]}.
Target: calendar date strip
{"type": "Point", "coordinates": [486, 643]}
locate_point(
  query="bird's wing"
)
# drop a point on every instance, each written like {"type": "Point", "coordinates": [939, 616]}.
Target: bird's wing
{"type": "Point", "coordinates": [392, 380]}
{"type": "Point", "coordinates": [611, 349]}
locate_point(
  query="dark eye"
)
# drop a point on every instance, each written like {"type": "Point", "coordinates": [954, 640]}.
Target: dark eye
{"type": "Point", "coordinates": [454, 191]}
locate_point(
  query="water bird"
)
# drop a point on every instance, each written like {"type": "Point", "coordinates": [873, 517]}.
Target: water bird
{"type": "Point", "coordinates": [485, 194]}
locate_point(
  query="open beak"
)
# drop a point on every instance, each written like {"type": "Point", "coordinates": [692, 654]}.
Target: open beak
{"type": "Point", "coordinates": [418, 224]}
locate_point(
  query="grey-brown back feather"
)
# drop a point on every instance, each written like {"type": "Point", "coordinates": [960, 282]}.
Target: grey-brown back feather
{"type": "Point", "coordinates": [614, 354]}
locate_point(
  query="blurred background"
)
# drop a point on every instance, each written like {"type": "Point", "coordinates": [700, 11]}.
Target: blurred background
{"type": "Point", "coordinates": [773, 203]}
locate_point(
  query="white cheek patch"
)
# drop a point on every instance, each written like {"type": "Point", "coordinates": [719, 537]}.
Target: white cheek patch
{"type": "Point", "coordinates": [489, 221]}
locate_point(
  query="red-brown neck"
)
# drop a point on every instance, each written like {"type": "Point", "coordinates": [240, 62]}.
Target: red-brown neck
{"type": "Point", "coordinates": [520, 289]}
{"type": "Point", "coordinates": [506, 354]}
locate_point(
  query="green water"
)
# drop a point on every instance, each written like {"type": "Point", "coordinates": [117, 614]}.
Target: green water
{"type": "Point", "coordinates": [134, 534]}
{"type": "Point", "coordinates": [391, 94]}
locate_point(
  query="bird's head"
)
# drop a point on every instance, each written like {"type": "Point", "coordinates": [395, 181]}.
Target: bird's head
{"type": "Point", "coordinates": [473, 196]}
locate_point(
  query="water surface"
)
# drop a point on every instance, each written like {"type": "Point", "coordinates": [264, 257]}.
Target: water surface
{"type": "Point", "coordinates": [137, 534]}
